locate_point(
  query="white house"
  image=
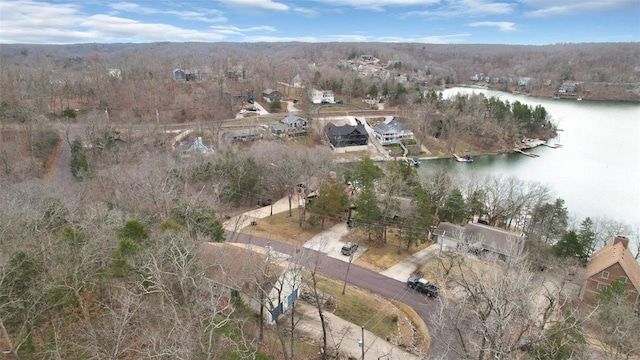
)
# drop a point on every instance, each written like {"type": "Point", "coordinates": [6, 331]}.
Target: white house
{"type": "Point", "coordinates": [392, 132]}
{"type": "Point", "coordinates": [321, 96]}
{"type": "Point", "coordinates": [260, 276]}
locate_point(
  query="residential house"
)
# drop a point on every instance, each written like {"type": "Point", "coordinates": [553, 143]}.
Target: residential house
{"type": "Point", "coordinates": [243, 135]}
{"type": "Point", "coordinates": [485, 240]}
{"type": "Point", "coordinates": [567, 87]}
{"type": "Point", "coordinates": [392, 132]}
{"type": "Point", "coordinates": [236, 72]}
{"type": "Point", "coordinates": [178, 74]}
{"type": "Point", "coordinates": [524, 81]}
{"type": "Point", "coordinates": [291, 126]}
{"type": "Point", "coordinates": [367, 58]}
{"type": "Point", "coordinates": [260, 276]}
{"type": "Point", "coordinates": [270, 95]}
{"type": "Point", "coordinates": [115, 73]}
{"type": "Point", "coordinates": [297, 81]}
{"type": "Point", "coordinates": [612, 262]}
{"type": "Point", "coordinates": [203, 146]}
{"type": "Point", "coordinates": [346, 135]}
{"type": "Point", "coordinates": [321, 96]}
{"type": "Point", "coordinates": [187, 74]}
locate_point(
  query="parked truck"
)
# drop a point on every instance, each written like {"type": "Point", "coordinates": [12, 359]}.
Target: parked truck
{"type": "Point", "coordinates": [423, 285]}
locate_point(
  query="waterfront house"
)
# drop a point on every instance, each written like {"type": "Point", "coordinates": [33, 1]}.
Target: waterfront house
{"type": "Point", "coordinates": [484, 240]}
{"type": "Point", "coordinates": [346, 135]}
{"type": "Point", "coordinates": [392, 132]}
{"type": "Point", "coordinates": [612, 262]}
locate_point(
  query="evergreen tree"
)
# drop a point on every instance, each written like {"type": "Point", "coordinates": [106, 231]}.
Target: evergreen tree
{"type": "Point", "coordinates": [587, 237]}
{"type": "Point", "coordinates": [454, 207]}
{"type": "Point", "coordinates": [569, 246]}
{"type": "Point", "coordinates": [368, 213]}
{"type": "Point", "coordinates": [331, 202]}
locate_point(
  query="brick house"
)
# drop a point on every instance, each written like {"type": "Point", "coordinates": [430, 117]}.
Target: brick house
{"type": "Point", "coordinates": [613, 261]}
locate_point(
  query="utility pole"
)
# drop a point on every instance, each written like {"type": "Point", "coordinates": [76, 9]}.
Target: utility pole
{"type": "Point", "coordinates": [344, 287]}
{"type": "Point", "coordinates": [362, 342]}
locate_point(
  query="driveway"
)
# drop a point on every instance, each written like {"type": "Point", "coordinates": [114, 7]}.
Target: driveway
{"type": "Point", "coordinates": [402, 270]}
{"type": "Point", "coordinates": [330, 242]}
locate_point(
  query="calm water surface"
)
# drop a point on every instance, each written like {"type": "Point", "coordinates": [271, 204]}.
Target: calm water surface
{"type": "Point", "coordinates": [596, 171]}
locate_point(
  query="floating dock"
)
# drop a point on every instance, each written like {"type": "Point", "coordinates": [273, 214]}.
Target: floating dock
{"type": "Point", "coordinates": [525, 153]}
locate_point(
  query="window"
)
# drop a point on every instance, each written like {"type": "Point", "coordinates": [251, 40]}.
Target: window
{"type": "Point", "coordinates": [623, 279]}
{"type": "Point", "coordinates": [601, 287]}
{"type": "Point", "coordinates": [605, 275]}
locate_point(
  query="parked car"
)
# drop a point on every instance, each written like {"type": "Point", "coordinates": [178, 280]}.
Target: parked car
{"type": "Point", "coordinates": [339, 102]}
{"type": "Point", "coordinates": [264, 202]}
{"type": "Point", "coordinates": [349, 248]}
{"type": "Point", "coordinates": [250, 101]}
{"type": "Point", "coordinates": [253, 109]}
{"type": "Point", "coordinates": [423, 285]}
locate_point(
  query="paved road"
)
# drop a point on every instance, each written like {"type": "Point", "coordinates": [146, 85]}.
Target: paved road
{"type": "Point", "coordinates": [363, 278]}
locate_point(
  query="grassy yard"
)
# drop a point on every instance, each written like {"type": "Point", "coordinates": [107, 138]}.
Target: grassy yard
{"type": "Point", "coordinates": [378, 315]}
{"type": "Point", "coordinates": [284, 228]}
{"type": "Point", "coordinates": [380, 258]}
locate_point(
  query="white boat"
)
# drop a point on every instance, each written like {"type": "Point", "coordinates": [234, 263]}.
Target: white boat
{"type": "Point", "coordinates": [466, 158]}
{"type": "Point", "coordinates": [579, 99]}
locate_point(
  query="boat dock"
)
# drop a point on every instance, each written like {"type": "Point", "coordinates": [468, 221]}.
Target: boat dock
{"type": "Point", "coordinates": [525, 153]}
{"type": "Point", "coordinates": [466, 158]}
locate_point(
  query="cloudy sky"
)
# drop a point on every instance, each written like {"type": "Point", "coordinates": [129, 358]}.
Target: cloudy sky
{"type": "Point", "coordinates": [535, 22]}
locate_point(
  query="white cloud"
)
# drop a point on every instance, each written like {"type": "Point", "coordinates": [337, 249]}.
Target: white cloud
{"type": "Point", "coordinates": [203, 15]}
{"type": "Point", "coordinates": [262, 4]}
{"type": "Point", "coordinates": [110, 27]}
{"type": "Point", "coordinates": [466, 8]}
{"type": "Point", "coordinates": [502, 25]}
{"type": "Point", "coordinates": [378, 5]}
{"type": "Point", "coordinates": [234, 30]}
{"type": "Point", "coordinates": [549, 8]}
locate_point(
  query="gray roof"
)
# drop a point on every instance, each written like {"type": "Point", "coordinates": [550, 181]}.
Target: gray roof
{"type": "Point", "coordinates": [448, 229]}
{"type": "Point", "coordinates": [493, 239]}
{"type": "Point", "coordinates": [334, 130]}
{"type": "Point", "coordinates": [243, 132]}
{"type": "Point", "coordinates": [391, 125]}
{"type": "Point", "coordinates": [291, 119]}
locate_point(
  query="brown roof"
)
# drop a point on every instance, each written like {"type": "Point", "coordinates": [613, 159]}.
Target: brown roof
{"type": "Point", "coordinates": [615, 252]}
{"type": "Point", "coordinates": [238, 266]}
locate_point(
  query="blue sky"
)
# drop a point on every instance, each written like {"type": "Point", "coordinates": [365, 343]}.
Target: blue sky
{"type": "Point", "coordinates": [529, 22]}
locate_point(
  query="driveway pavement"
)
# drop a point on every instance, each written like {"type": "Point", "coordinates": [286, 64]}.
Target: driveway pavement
{"type": "Point", "coordinates": [402, 270]}
{"type": "Point", "coordinates": [330, 242]}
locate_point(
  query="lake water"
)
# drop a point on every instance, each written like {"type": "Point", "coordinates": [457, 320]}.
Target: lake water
{"type": "Point", "coordinates": [597, 169]}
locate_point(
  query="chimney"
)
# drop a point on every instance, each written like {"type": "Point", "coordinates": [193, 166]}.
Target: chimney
{"type": "Point", "coordinates": [623, 240]}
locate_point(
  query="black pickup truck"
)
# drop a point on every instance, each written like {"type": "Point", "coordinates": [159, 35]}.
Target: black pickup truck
{"type": "Point", "coordinates": [423, 285]}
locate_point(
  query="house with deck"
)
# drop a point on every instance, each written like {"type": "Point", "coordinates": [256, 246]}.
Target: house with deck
{"type": "Point", "coordinates": [346, 135]}
{"type": "Point", "coordinates": [612, 262]}
{"type": "Point", "coordinates": [392, 132]}
{"type": "Point", "coordinates": [291, 125]}
{"type": "Point", "coordinates": [243, 135]}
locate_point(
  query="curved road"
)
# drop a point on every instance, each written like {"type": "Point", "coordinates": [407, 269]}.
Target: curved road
{"type": "Point", "coordinates": [362, 278]}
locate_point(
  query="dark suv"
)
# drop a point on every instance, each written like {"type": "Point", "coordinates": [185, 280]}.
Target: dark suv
{"type": "Point", "coordinates": [349, 248]}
